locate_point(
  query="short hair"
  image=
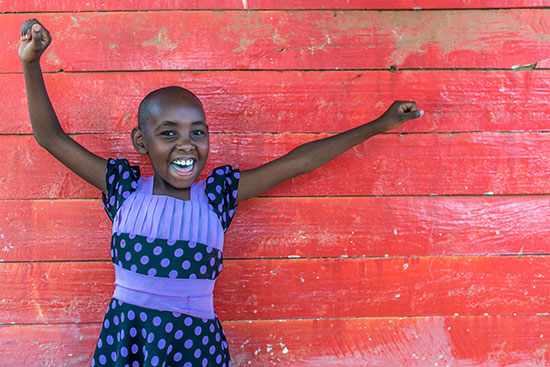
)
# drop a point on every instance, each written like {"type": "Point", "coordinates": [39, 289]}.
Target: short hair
{"type": "Point", "coordinates": [143, 111]}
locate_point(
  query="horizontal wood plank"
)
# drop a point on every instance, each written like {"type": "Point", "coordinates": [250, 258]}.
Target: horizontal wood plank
{"type": "Point", "coordinates": [291, 101]}
{"type": "Point", "coordinates": [280, 40]}
{"type": "Point", "coordinates": [72, 230]}
{"type": "Point", "coordinates": [416, 342]}
{"type": "Point", "coordinates": [391, 164]}
{"type": "Point", "coordinates": [87, 5]}
{"type": "Point", "coordinates": [296, 288]}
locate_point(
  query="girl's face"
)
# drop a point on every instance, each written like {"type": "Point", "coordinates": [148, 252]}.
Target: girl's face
{"type": "Point", "coordinates": [177, 142]}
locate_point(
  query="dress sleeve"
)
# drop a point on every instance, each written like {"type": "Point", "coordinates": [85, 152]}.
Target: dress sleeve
{"type": "Point", "coordinates": [221, 189]}
{"type": "Point", "coordinates": [121, 181]}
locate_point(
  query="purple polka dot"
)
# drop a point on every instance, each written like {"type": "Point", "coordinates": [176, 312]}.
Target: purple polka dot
{"type": "Point", "coordinates": [212, 261]}
{"type": "Point", "coordinates": [137, 247]}
{"type": "Point", "coordinates": [112, 201]}
{"type": "Point", "coordinates": [186, 265]}
{"type": "Point", "coordinates": [219, 255]}
{"type": "Point", "coordinates": [156, 321]}
{"type": "Point", "coordinates": [187, 364]}
{"type": "Point", "coordinates": [228, 180]}
{"type": "Point", "coordinates": [157, 250]}
{"type": "Point", "coordinates": [203, 269]}
{"type": "Point", "coordinates": [209, 249]}
{"type": "Point", "coordinates": [197, 353]}
{"type": "Point", "coordinates": [218, 337]}
{"type": "Point", "coordinates": [176, 314]}
{"type": "Point", "coordinates": [134, 348]}
{"type": "Point", "coordinates": [133, 268]}
{"type": "Point", "coordinates": [132, 236]}
{"type": "Point", "coordinates": [218, 358]}
{"type": "Point", "coordinates": [219, 189]}
{"type": "Point", "coordinates": [122, 334]}
{"type": "Point", "coordinates": [235, 194]}
{"type": "Point", "coordinates": [102, 359]}
{"type": "Point", "coordinates": [134, 185]}
{"type": "Point", "coordinates": [111, 179]}
{"type": "Point", "coordinates": [162, 343]}
{"type": "Point", "coordinates": [173, 274]}
{"type": "Point", "coordinates": [198, 256]}
{"type": "Point", "coordinates": [168, 328]}
{"type": "Point", "coordinates": [210, 180]}
{"type": "Point", "coordinates": [210, 196]}
{"type": "Point", "coordinates": [143, 316]}
{"type": "Point", "coordinates": [198, 331]}
{"type": "Point", "coordinates": [192, 276]}
{"type": "Point", "coordinates": [122, 316]}
{"type": "Point", "coordinates": [128, 256]}
{"type": "Point", "coordinates": [135, 364]}
{"type": "Point", "coordinates": [188, 321]}
{"type": "Point", "coordinates": [100, 343]}
{"type": "Point", "coordinates": [178, 335]}
{"type": "Point", "coordinates": [152, 272]}
{"type": "Point", "coordinates": [113, 304]}
{"type": "Point", "coordinates": [188, 344]}
{"type": "Point", "coordinates": [178, 252]}
{"type": "Point", "coordinates": [150, 239]}
{"type": "Point", "coordinates": [212, 349]}
{"type": "Point", "coordinates": [144, 259]}
{"type": "Point", "coordinates": [220, 268]}
{"type": "Point", "coordinates": [125, 194]}
{"type": "Point", "coordinates": [154, 361]}
{"type": "Point", "coordinates": [112, 253]}
{"type": "Point", "coordinates": [169, 349]}
{"type": "Point", "coordinates": [106, 324]}
{"type": "Point", "coordinates": [192, 244]}
{"type": "Point", "coordinates": [220, 208]}
{"type": "Point", "coordinates": [131, 315]}
{"type": "Point", "coordinates": [211, 328]}
{"type": "Point", "coordinates": [237, 175]}
{"type": "Point", "coordinates": [122, 243]}
{"type": "Point", "coordinates": [124, 351]}
{"type": "Point", "coordinates": [205, 362]}
{"type": "Point", "coordinates": [205, 340]}
{"type": "Point", "coordinates": [220, 171]}
{"type": "Point", "coordinates": [214, 274]}
{"type": "Point", "coordinates": [115, 320]}
{"type": "Point", "coordinates": [120, 168]}
{"type": "Point", "coordinates": [113, 356]}
{"type": "Point", "coordinates": [165, 262]}
{"type": "Point", "coordinates": [144, 335]}
{"type": "Point", "coordinates": [177, 357]}
{"type": "Point", "coordinates": [150, 338]}
{"type": "Point", "coordinates": [125, 175]}
{"type": "Point", "coordinates": [133, 332]}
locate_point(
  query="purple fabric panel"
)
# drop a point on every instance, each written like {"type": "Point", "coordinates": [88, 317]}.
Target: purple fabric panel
{"type": "Point", "coordinates": [189, 296]}
{"type": "Point", "coordinates": [164, 217]}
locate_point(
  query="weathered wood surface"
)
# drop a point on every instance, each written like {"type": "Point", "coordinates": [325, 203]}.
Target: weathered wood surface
{"type": "Point", "coordinates": [391, 164]}
{"type": "Point", "coordinates": [266, 102]}
{"type": "Point", "coordinates": [417, 342]}
{"type": "Point", "coordinates": [96, 5]}
{"type": "Point", "coordinates": [300, 288]}
{"type": "Point", "coordinates": [277, 40]}
{"type": "Point", "coordinates": [73, 230]}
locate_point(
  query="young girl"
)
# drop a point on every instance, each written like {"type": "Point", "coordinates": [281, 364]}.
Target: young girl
{"type": "Point", "coordinates": [167, 237]}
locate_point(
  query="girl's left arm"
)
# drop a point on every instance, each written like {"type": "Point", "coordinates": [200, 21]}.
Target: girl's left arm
{"type": "Point", "coordinates": [307, 157]}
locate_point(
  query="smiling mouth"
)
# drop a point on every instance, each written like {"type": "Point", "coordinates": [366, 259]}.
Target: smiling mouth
{"type": "Point", "coordinates": [183, 165]}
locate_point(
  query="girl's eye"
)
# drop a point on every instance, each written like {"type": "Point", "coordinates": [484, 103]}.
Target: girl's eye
{"type": "Point", "coordinates": [168, 133]}
{"type": "Point", "coordinates": [197, 133]}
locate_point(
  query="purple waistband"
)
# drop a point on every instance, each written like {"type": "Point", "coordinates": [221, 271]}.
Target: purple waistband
{"type": "Point", "coordinates": [189, 296]}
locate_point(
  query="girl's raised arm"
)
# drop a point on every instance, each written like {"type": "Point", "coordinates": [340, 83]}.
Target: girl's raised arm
{"type": "Point", "coordinates": [45, 125]}
{"type": "Point", "coordinates": [309, 156]}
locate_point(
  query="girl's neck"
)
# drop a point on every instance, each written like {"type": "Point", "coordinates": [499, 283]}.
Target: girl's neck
{"type": "Point", "coordinates": [160, 187]}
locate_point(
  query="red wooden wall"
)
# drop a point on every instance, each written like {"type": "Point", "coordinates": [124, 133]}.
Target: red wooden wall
{"type": "Point", "coordinates": [426, 246]}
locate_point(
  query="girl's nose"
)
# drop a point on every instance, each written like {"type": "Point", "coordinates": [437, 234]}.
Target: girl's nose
{"type": "Point", "coordinates": [184, 143]}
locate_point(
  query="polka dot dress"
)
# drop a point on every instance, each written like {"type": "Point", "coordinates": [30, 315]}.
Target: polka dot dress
{"type": "Point", "coordinates": [163, 237]}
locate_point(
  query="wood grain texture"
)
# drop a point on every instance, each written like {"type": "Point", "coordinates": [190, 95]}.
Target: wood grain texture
{"type": "Point", "coordinates": [96, 5]}
{"type": "Point", "coordinates": [416, 342]}
{"type": "Point", "coordinates": [300, 288]}
{"type": "Point", "coordinates": [391, 164]}
{"type": "Point", "coordinates": [266, 102]}
{"type": "Point", "coordinates": [279, 40]}
{"type": "Point", "coordinates": [73, 230]}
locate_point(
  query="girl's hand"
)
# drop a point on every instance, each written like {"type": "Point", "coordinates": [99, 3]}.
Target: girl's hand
{"type": "Point", "coordinates": [34, 41]}
{"type": "Point", "coordinates": [399, 113]}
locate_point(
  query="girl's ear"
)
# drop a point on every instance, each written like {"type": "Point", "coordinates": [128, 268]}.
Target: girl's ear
{"type": "Point", "coordinates": [137, 141]}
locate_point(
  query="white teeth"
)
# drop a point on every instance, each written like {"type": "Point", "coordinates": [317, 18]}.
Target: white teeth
{"type": "Point", "coordinates": [183, 162]}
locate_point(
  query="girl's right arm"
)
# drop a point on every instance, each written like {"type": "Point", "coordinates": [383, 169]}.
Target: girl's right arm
{"type": "Point", "coordinates": [45, 125]}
